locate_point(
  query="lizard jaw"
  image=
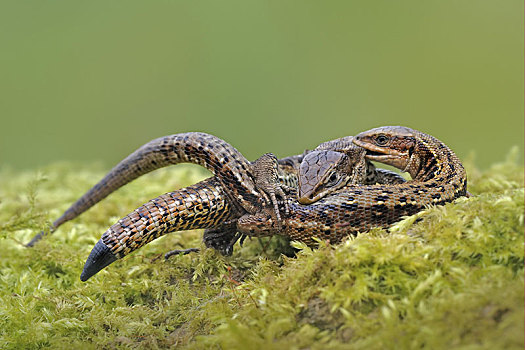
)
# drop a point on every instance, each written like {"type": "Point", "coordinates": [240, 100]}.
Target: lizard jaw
{"type": "Point", "coordinates": [307, 198]}
{"type": "Point", "coordinates": [384, 155]}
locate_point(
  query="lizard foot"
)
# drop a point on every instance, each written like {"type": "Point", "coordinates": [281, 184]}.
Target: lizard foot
{"type": "Point", "coordinates": [180, 251]}
{"type": "Point", "coordinates": [222, 238]}
{"type": "Point", "coordinates": [266, 170]}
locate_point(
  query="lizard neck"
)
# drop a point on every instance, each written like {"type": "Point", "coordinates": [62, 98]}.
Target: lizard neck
{"type": "Point", "coordinates": [432, 162]}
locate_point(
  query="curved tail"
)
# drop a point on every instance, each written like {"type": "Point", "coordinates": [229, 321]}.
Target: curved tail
{"type": "Point", "coordinates": [202, 205]}
{"type": "Point", "coordinates": [203, 149]}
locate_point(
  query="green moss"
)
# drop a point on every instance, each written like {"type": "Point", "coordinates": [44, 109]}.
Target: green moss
{"type": "Point", "coordinates": [448, 277]}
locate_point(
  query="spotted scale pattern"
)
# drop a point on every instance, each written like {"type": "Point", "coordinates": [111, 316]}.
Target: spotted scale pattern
{"type": "Point", "coordinates": [324, 172]}
{"type": "Point", "coordinates": [203, 205]}
{"type": "Point", "coordinates": [438, 177]}
{"type": "Point", "coordinates": [232, 169]}
{"type": "Point", "coordinates": [348, 211]}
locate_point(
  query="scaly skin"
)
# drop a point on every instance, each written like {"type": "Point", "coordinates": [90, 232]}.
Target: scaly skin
{"type": "Point", "coordinates": [159, 217]}
{"type": "Point", "coordinates": [348, 211]}
{"type": "Point", "coordinates": [223, 237]}
{"type": "Point", "coordinates": [347, 146]}
{"type": "Point", "coordinates": [203, 205]}
{"type": "Point", "coordinates": [324, 172]}
{"type": "Point", "coordinates": [232, 169]}
{"type": "Point", "coordinates": [438, 177]}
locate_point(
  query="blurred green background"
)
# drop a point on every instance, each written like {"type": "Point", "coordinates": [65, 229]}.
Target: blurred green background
{"type": "Point", "coordinates": [92, 81]}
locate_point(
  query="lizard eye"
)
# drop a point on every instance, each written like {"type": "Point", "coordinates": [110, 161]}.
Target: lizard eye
{"type": "Point", "coordinates": [382, 139]}
{"type": "Point", "coordinates": [332, 180]}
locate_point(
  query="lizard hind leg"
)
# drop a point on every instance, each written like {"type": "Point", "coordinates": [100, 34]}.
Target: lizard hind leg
{"type": "Point", "coordinates": [180, 251]}
{"type": "Point", "coordinates": [260, 224]}
{"type": "Point", "coordinates": [222, 238]}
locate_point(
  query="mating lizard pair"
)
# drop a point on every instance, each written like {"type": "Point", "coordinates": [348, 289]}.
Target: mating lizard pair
{"type": "Point", "coordinates": [240, 199]}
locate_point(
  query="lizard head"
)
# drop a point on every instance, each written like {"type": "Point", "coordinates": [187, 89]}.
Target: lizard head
{"type": "Point", "coordinates": [323, 172]}
{"type": "Point", "coordinates": [391, 145]}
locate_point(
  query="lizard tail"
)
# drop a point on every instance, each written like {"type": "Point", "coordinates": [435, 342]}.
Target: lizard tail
{"type": "Point", "coordinates": [202, 205]}
{"type": "Point", "coordinates": [100, 257]}
{"type": "Point", "coordinates": [199, 148]}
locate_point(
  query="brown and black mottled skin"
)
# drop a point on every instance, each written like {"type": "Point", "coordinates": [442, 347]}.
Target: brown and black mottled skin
{"type": "Point", "coordinates": [232, 170]}
{"type": "Point", "coordinates": [186, 211]}
{"type": "Point", "coordinates": [437, 175]}
{"type": "Point", "coordinates": [346, 146]}
{"type": "Point", "coordinates": [324, 172]}
{"type": "Point", "coordinates": [203, 205]}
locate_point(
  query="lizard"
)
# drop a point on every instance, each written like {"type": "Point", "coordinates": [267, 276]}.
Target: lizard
{"type": "Point", "coordinates": [437, 176]}
{"type": "Point", "coordinates": [339, 215]}
{"type": "Point", "coordinates": [223, 237]}
{"type": "Point", "coordinates": [320, 173]}
{"type": "Point", "coordinates": [203, 205]}
{"type": "Point", "coordinates": [230, 167]}
{"type": "Point", "coordinates": [325, 171]}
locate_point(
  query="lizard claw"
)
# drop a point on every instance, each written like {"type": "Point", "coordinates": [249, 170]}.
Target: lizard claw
{"type": "Point", "coordinates": [222, 238]}
{"type": "Point", "coordinates": [180, 251]}
{"type": "Point", "coordinates": [267, 180]}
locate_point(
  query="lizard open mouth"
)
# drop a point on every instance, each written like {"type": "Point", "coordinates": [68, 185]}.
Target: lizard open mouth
{"type": "Point", "coordinates": [384, 155]}
{"type": "Point", "coordinates": [374, 153]}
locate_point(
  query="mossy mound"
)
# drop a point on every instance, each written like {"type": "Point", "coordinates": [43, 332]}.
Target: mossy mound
{"type": "Point", "coordinates": [448, 277]}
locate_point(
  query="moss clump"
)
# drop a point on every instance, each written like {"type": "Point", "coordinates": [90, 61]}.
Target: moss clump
{"type": "Point", "coordinates": [448, 277]}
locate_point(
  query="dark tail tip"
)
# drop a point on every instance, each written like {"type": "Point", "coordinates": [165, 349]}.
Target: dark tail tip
{"type": "Point", "coordinates": [100, 257]}
{"type": "Point", "coordinates": [35, 239]}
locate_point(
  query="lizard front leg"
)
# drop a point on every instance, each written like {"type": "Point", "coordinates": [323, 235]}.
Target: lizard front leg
{"type": "Point", "coordinates": [222, 238]}
{"type": "Point", "coordinates": [266, 175]}
{"type": "Point", "coordinates": [271, 176]}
